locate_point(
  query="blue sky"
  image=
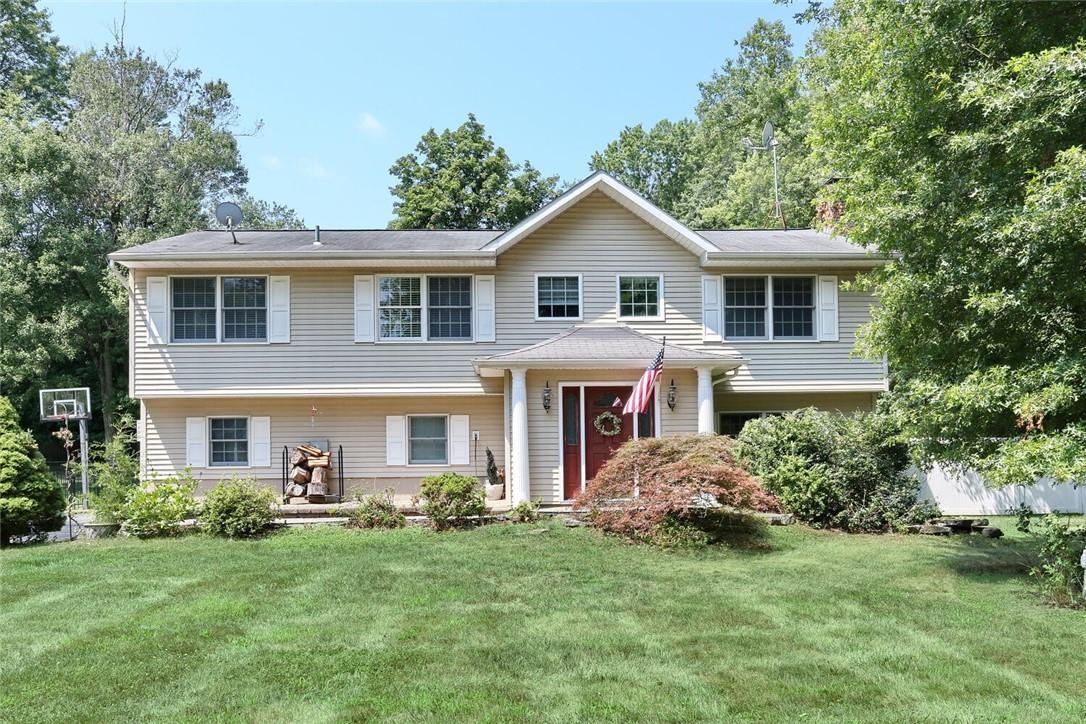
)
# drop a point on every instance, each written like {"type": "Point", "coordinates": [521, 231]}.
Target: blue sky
{"type": "Point", "coordinates": [344, 89]}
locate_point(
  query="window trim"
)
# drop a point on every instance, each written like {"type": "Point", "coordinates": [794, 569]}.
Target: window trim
{"type": "Point", "coordinates": [218, 341]}
{"type": "Point", "coordinates": [580, 297]}
{"type": "Point", "coordinates": [769, 337]}
{"type": "Point", "coordinates": [221, 302]}
{"type": "Point", "coordinates": [425, 338]}
{"type": "Point", "coordinates": [248, 442]}
{"type": "Point", "coordinates": [659, 301]}
{"type": "Point", "coordinates": [407, 440]}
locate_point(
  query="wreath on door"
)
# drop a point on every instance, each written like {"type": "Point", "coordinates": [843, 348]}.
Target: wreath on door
{"type": "Point", "coordinates": [607, 423]}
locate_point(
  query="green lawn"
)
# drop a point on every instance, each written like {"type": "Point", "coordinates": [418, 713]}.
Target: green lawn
{"type": "Point", "coordinates": [503, 624]}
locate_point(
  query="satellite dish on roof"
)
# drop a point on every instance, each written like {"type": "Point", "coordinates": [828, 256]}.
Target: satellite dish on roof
{"type": "Point", "coordinates": [228, 214]}
{"type": "Point", "coordinates": [767, 134]}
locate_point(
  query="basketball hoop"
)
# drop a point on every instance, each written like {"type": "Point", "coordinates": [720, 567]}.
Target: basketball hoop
{"type": "Point", "coordinates": [64, 404]}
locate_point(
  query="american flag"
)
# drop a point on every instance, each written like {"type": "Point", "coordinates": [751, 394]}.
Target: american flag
{"type": "Point", "coordinates": [642, 392]}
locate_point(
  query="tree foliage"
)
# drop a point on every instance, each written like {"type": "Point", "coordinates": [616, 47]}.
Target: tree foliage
{"type": "Point", "coordinates": [141, 149]}
{"type": "Point", "coordinates": [959, 130]}
{"type": "Point", "coordinates": [32, 70]}
{"type": "Point", "coordinates": [459, 179]}
{"type": "Point", "coordinates": [31, 499]}
{"type": "Point", "coordinates": [701, 172]}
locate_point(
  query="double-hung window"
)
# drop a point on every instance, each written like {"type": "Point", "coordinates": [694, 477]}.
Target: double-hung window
{"type": "Point", "coordinates": [244, 309]}
{"type": "Point", "coordinates": [558, 297]}
{"type": "Point", "coordinates": [427, 440]}
{"type": "Point", "coordinates": [449, 307]}
{"type": "Point", "coordinates": [399, 302]}
{"type": "Point", "coordinates": [229, 440]}
{"type": "Point", "coordinates": [192, 309]}
{"type": "Point", "coordinates": [640, 296]}
{"type": "Point", "coordinates": [744, 307]}
{"type": "Point", "coordinates": [793, 307]}
{"type": "Point", "coordinates": [769, 307]}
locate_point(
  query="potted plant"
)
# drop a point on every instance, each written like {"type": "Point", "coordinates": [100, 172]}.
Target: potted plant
{"type": "Point", "coordinates": [495, 478]}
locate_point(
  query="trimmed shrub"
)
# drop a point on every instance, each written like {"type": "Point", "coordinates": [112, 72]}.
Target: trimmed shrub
{"type": "Point", "coordinates": [526, 511]}
{"type": "Point", "coordinates": [450, 498]}
{"type": "Point", "coordinates": [114, 469]}
{"type": "Point", "coordinates": [159, 507]}
{"type": "Point", "coordinates": [376, 511]}
{"type": "Point", "coordinates": [673, 491]}
{"type": "Point", "coordinates": [238, 508]}
{"type": "Point", "coordinates": [32, 500]}
{"type": "Point", "coordinates": [835, 471]}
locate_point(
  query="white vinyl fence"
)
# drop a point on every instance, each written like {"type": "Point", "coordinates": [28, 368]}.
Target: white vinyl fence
{"type": "Point", "coordinates": [966, 493]}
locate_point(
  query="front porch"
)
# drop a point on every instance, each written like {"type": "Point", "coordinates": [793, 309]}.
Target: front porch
{"type": "Point", "coordinates": [564, 398]}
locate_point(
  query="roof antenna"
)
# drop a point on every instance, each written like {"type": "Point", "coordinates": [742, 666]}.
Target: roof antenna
{"type": "Point", "coordinates": [229, 215]}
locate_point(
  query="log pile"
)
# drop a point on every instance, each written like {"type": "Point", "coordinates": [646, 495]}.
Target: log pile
{"type": "Point", "coordinates": [309, 477]}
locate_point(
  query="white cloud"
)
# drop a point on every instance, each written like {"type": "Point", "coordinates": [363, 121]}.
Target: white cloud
{"type": "Point", "coordinates": [272, 161]}
{"type": "Point", "coordinates": [369, 125]}
{"type": "Point", "coordinates": [314, 168]}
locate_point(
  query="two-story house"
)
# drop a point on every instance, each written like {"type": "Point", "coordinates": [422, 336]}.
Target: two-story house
{"type": "Point", "coordinates": [417, 350]}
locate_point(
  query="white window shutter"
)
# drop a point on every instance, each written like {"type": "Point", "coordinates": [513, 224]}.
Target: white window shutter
{"type": "Point", "coordinates": [157, 310]}
{"type": "Point", "coordinates": [396, 440]}
{"type": "Point", "coordinates": [827, 309]}
{"type": "Point", "coordinates": [196, 442]}
{"type": "Point", "coordinates": [260, 442]}
{"type": "Point", "coordinates": [484, 308]}
{"type": "Point", "coordinates": [279, 309]}
{"type": "Point", "coordinates": [459, 440]}
{"type": "Point", "coordinates": [710, 309]}
{"type": "Point", "coordinates": [363, 308]}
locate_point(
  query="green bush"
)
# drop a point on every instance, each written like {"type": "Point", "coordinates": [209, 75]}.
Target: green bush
{"type": "Point", "coordinates": [159, 507]}
{"type": "Point", "coordinates": [32, 500]}
{"type": "Point", "coordinates": [526, 511]}
{"type": "Point", "coordinates": [1058, 571]}
{"type": "Point", "coordinates": [376, 511]}
{"type": "Point", "coordinates": [835, 471]}
{"type": "Point", "coordinates": [114, 471]}
{"type": "Point", "coordinates": [450, 499]}
{"type": "Point", "coordinates": [238, 508]}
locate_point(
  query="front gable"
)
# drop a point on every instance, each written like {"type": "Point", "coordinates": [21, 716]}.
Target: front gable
{"type": "Point", "coordinates": [603, 184]}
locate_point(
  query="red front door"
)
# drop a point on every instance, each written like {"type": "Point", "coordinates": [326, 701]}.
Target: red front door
{"type": "Point", "coordinates": [600, 406]}
{"type": "Point", "coordinates": [571, 442]}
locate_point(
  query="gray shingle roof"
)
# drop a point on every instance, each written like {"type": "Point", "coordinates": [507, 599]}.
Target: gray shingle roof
{"type": "Point", "coordinates": [604, 343]}
{"type": "Point", "coordinates": [780, 241]}
{"type": "Point", "coordinates": [210, 242]}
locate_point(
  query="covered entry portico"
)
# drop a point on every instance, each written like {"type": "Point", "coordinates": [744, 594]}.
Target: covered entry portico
{"type": "Point", "coordinates": [564, 399]}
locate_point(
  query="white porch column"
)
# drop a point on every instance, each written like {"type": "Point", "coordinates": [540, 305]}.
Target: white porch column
{"type": "Point", "coordinates": [521, 491]}
{"type": "Point", "coordinates": [705, 401]}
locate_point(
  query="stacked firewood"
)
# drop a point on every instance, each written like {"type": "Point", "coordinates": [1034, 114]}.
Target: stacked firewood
{"type": "Point", "coordinates": [308, 478]}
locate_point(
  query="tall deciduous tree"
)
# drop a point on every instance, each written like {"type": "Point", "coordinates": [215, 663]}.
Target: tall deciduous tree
{"type": "Point", "coordinates": [459, 179]}
{"type": "Point", "coordinates": [31, 58]}
{"type": "Point", "coordinates": [659, 163]}
{"type": "Point", "coordinates": [959, 129]}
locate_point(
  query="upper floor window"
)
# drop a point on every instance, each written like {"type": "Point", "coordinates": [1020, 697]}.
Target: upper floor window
{"type": "Point", "coordinates": [640, 297]}
{"type": "Point", "coordinates": [793, 307]}
{"type": "Point", "coordinates": [399, 300]}
{"type": "Point", "coordinates": [744, 307]}
{"type": "Point", "coordinates": [229, 438]}
{"type": "Point", "coordinates": [558, 297]}
{"type": "Point", "coordinates": [245, 309]}
{"type": "Point", "coordinates": [192, 309]}
{"type": "Point", "coordinates": [773, 307]}
{"type": "Point", "coordinates": [449, 307]}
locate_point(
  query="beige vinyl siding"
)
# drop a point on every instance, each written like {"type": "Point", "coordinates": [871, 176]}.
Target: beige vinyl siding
{"type": "Point", "coordinates": [543, 426]}
{"type": "Point", "coordinates": [356, 424]}
{"type": "Point", "coordinates": [774, 401]}
{"type": "Point", "coordinates": [596, 238]}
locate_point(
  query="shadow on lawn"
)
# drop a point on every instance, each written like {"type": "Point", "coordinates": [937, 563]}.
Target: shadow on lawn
{"type": "Point", "coordinates": [974, 556]}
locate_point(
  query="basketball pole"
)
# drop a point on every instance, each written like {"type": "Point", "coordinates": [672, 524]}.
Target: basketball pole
{"type": "Point", "coordinates": [83, 459]}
